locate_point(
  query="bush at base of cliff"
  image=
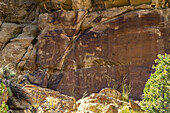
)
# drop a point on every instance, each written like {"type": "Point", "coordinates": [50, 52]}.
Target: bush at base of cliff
{"type": "Point", "coordinates": [3, 106]}
{"type": "Point", "coordinates": [157, 88]}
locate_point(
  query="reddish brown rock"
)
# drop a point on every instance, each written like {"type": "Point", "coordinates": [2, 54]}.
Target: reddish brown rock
{"type": "Point", "coordinates": [39, 78]}
{"type": "Point", "coordinates": [114, 48]}
{"type": "Point", "coordinates": [56, 36]}
{"type": "Point", "coordinates": [94, 18]}
{"type": "Point", "coordinates": [123, 47]}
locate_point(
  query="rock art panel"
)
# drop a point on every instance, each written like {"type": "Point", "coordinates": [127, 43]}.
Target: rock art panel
{"type": "Point", "coordinates": [124, 47]}
{"type": "Point", "coordinates": [61, 29]}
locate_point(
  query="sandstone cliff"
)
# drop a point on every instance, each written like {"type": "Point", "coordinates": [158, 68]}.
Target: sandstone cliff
{"type": "Point", "coordinates": [78, 46]}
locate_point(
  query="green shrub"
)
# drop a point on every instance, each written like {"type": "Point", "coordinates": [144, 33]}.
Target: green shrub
{"type": "Point", "coordinates": [3, 106]}
{"type": "Point", "coordinates": [6, 73]}
{"type": "Point", "coordinates": [125, 109]}
{"type": "Point", "coordinates": [157, 88]}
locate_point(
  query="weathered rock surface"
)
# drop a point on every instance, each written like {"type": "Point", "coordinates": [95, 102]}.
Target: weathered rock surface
{"type": "Point", "coordinates": [86, 49]}
{"type": "Point", "coordinates": [8, 31]}
{"type": "Point", "coordinates": [22, 11]}
{"type": "Point", "coordinates": [94, 18]}
{"type": "Point", "coordinates": [59, 30]}
{"type": "Point", "coordinates": [99, 102]}
{"type": "Point", "coordinates": [53, 5]}
{"type": "Point", "coordinates": [139, 2]}
{"type": "Point", "coordinates": [122, 47]}
{"type": "Point", "coordinates": [14, 51]}
{"type": "Point", "coordinates": [56, 105]}
{"type": "Point", "coordinates": [81, 4]}
{"type": "Point", "coordinates": [94, 5]}
{"type": "Point", "coordinates": [31, 96]}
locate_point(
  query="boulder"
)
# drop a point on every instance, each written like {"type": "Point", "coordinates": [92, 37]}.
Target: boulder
{"type": "Point", "coordinates": [56, 105]}
{"type": "Point", "coordinates": [31, 96]}
{"type": "Point", "coordinates": [111, 93]}
{"type": "Point", "coordinates": [99, 102]}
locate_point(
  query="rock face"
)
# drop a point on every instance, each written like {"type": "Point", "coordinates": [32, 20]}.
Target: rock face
{"type": "Point", "coordinates": [91, 51]}
{"type": "Point", "coordinates": [118, 48]}
{"type": "Point", "coordinates": [8, 31]}
{"type": "Point", "coordinates": [22, 11]}
{"type": "Point", "coordinates": [81, 4]}
{"type": "Point", "coordinates": [82, 46]}
{"type": "Point", "coordinates": [60, 30]}
{"type": "Point", "coordinates": [15, 42]}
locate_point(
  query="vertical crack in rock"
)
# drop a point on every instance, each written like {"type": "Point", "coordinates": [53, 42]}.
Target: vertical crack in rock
{"type": "Point", "coordinates": [20, 65]}
{"type": "Point", "coordinates": [8, 32]}
{"type": "Point", "coordinates": [67, 51]}
{"type": "Point", "coordinates": [22, 57]}
{"type": "Point", "coordinates": [15, 51]}
{"type": "Point", "coordinates": [69, 48]}
{"type": "Point", "coordinates": [58, 34]}
{"type": "Point", "coordinates": [120, 11]}
{"type": "Point", "coordinates": [31, 33]}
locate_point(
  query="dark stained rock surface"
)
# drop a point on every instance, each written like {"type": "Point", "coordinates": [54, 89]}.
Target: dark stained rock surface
{"type": "Point", "coordinates": [54, 39]}
{"type": "Point", "coordinates": [125, 47]}
{"type": "Point", "coordinates": [81, 46]}
{"type": "Point", "coordinates": [111, 50]}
